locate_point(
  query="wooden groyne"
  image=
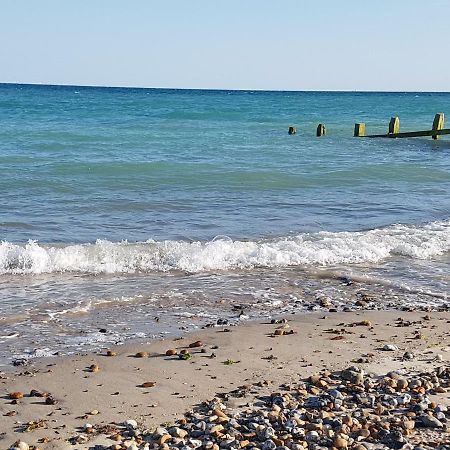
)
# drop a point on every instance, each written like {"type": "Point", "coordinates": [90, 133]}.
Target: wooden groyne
{"type": "Point", "coordinates": [437, 129]}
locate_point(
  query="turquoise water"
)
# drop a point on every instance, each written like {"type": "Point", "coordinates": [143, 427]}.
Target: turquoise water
{"type": "Point", "coordinates": [111, 193]}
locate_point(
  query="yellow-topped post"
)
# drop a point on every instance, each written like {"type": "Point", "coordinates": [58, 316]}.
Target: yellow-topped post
{"type": "Point", "coordinates": [394, 125]}
{"type": "Point", "coordinates": [360, 130]}
{"type": "Point", "coordinates": [438, 124]}
{"type": "Point", "coordinates": [321, 130]}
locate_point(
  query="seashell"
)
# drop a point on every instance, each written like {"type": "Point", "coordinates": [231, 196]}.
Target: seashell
{"type": "Point", "coordinates": [171, 352]}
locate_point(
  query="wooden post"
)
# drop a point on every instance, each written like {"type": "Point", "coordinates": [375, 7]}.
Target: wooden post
{"type": "Point", "coordinates": [438, 124]}
{"type": "Point", "coordinates": [394, 125]}
{"type": "Point", "coordinates": [321, 130]}
{"type": "Point", "coordinates": [292, 130]}
{"type": "Point", "coordinates": [360, 130]}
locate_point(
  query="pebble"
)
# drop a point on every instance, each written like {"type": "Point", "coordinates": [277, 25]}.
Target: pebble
{"type": "Point", "coordinates": [171, 352]}
{"type": "Point", "coordinates": [94, 368]}
{"type": "Point", "coordinates": [430, 421]}
{"type": "Point", "coordinates": [15, 395]}
{"type": "Point", "coordinates": [390, 348]}
{"type": "Point", "coordinates": [340, 442]}
{"type": "Point", "coordinates": [344, 410]}
{"type": "Point", "coordinates": [354, 375]}
{"type": "Point", "coordinates": [130, 423]}
{"type": "Point", "coordinates": [21, 445]}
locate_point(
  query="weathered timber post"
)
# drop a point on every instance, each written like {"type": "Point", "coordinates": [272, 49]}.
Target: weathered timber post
{"type": "Point", "coordinates": [438, 124]}
{"type": "Point", "coordinates": [292, 130]}
{"type": "Point", "coordinates": [394, 125]}
{"type": "Point", "coordinates": [321, 130]}
{"type": "Point", "coordinates": [360, 130]}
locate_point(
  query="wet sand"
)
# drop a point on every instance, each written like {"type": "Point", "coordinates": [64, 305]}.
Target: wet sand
{"type": "Point", "coordinates": [101, 390]}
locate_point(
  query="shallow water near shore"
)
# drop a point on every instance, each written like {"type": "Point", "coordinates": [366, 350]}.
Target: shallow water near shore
{"type": "Point", "coordinates": [120, 206]}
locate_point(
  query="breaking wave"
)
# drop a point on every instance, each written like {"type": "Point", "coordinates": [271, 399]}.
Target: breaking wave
{"type": "Point", "coordinates": [222, 253]}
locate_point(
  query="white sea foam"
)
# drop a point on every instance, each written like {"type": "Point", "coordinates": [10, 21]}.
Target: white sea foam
{"type": "Point", "coordinates": [321, 249]}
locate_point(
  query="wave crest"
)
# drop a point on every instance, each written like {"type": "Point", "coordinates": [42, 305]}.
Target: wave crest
{"type": "Point", "coordinates": [322, 248]}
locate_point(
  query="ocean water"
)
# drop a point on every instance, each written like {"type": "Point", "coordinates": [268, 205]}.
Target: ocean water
{"type": "Point", "coordinates": [119, 206]}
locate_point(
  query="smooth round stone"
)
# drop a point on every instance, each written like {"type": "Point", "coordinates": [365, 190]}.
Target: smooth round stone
{"type": "Point", "coordinates": [312, 436]}
{"type": "Point", "coordinates": [430, 421]}
{"type": "Point", "coordinates": [268, 445]}
{"type": "Point", "coordinates": [336, 394]}
{"type": "Point", "coordinates": [23, 446]}
{"type": "Point", "coordinates": [390, 348]}
{"type": "Point", "coordinates": [340, 442]}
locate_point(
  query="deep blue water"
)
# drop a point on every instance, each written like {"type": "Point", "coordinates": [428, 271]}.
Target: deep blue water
{"type": "Point", "coordinates": [118, 203]}
{"type": "Point", "coordinates": [80, 164]}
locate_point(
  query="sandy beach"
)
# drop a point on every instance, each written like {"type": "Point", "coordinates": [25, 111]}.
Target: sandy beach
{"type": "Point", "coordinates": [78, 401]}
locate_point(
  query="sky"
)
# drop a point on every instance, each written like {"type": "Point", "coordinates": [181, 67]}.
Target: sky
{"type": "Point", "coordinates": [400, 45]}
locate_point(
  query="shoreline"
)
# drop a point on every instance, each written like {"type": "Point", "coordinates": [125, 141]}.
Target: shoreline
{"type": "Point", "coordinates": [249, 353]}
{"type": "Point", "coordinates": [155, 312]}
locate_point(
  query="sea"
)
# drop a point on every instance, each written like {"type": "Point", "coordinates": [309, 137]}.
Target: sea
{"type": "Point", "coordinates": [132, 214]}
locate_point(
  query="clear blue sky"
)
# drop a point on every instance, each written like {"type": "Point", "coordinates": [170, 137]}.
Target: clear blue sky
{"type": "Point", "coordinates": [231, 44]}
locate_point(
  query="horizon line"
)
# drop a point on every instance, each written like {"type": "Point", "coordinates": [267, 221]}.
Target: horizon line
{"type": "Point", "coordinates": [100, 86]}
